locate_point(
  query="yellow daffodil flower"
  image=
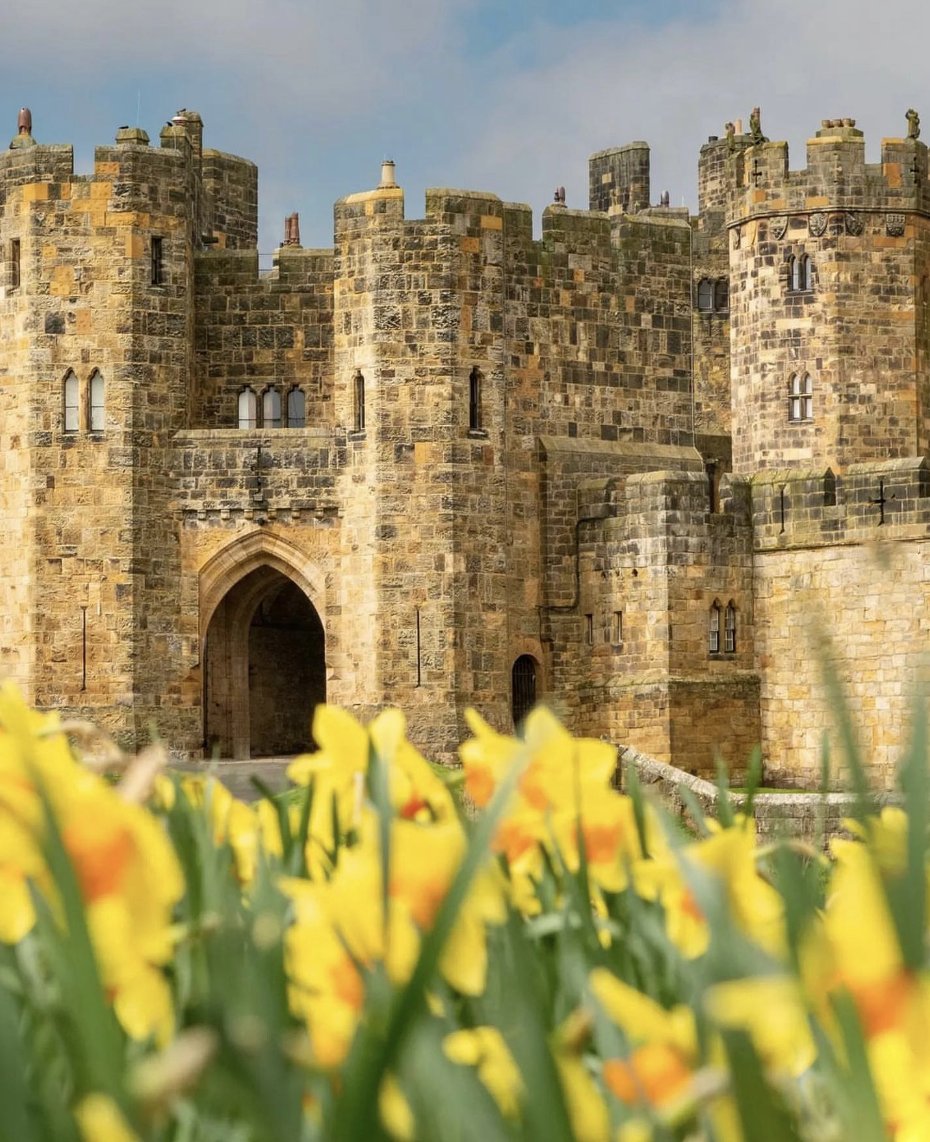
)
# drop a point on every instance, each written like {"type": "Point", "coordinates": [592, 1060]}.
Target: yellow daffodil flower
{"type": "Point", "coordinates": [484, 1049]}
{"type": "Point", "coordinates": [99, 1119]}
{"type": "Point", "coordinates": [664, 1050]}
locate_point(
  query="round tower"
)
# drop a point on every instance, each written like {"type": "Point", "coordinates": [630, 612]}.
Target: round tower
{"type": "Point", "coordinates": [825, 272]}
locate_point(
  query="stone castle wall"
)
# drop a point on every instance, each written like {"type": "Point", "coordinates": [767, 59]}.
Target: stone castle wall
{"type": "Point", "coordinates": [565, 333]}
{"type": "Point", "coordinates": [852, 328]}
{"type": "Point", "coordinates": [91, 603]}
{"type": "Point", "coordinates": [840, 572]}
{"type": "Point", "coordinates": [651, 573]}
{"type": "Point", "coordinates": [542, 467]}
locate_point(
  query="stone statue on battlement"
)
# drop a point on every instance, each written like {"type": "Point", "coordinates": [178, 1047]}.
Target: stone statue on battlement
{"type": "Point", "coordinates": [755, 127]}
{"type": "Point", "coordinates": [913, 124]}
{"type": "Point", "coordinates": [730, 132]}
{"type": "Point", "coordinates": [23, 136]}
{"type": "Point", "coordinates": [292, 230]}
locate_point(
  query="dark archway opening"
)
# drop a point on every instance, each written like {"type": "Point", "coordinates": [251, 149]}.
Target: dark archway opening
{"type": "Point", "coordinates": [523, 688]}
{"type": "Point", "coordinates": [265, 669]}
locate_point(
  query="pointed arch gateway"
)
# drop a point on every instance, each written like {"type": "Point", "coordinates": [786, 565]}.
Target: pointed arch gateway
{"type": "Point", "coordinates": [263, 648]}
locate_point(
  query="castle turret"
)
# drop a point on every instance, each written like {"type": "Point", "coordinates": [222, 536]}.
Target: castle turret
{"type": "Point", "coordinates": [828, 283]}
{"type": "Point", "coordinates": [619, 177]}
{"type": "Point", "coordinates": [710, 284]}
{"type": "Point", "coordinates": [97, 360]}
{"type": "Point", "coordinates": [417, 385]}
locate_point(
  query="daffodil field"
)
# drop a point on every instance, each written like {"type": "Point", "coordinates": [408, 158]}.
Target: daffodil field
{"type": "Point", "coordinates": [359, 959]}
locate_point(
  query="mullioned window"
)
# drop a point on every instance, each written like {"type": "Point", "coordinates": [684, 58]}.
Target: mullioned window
{"type": "Point", "coordinates": [800, 398]}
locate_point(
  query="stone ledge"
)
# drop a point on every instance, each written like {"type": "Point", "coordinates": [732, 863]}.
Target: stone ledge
{"type": "Point", "coordinates": [799, 815]}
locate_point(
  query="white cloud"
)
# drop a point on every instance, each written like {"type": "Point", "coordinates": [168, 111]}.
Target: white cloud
{"type": "Point", "coordinates": [607, 84]}
{"type": "Point", "coordinates": [337, 51]}
{"type": "Point", "coordinates": [318, 92]}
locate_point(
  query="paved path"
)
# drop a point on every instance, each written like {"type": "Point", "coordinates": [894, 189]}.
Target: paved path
{"type": "Point", "coordinates": [235, 774]}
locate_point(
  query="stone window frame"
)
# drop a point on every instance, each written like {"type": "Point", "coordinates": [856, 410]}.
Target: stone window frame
{"type": "Point", "coordinates": [712, 295]}
{"type": "Point", "coordinates": [799, 273]}
{"type": "Point", "coordinates": [157, 260]}
{"type": "Point", "coordinates": [96, 403]}
{"type": "Point", "coordinates": [16, 263]}
{"type": "Point", "coordinates": [713, 627]}
{"type": "Point", "coordinates": [729, 628]}
{"type": "Point", "coordinates": [358, 401]}
{"type": "Point", "coordinates": [296, 418]}
{"type": "Point", "coordinates": [475, 402]}
{"type": "Point", "coordinates": [71, 403]}
{"type": "Point", "coordinates": [251, 422]}
{"type": "Point", "coordinates": [800, 398]}
{"type": "Point", "coordinates": [271, 410]}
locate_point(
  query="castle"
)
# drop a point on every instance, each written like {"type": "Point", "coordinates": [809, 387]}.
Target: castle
{"type": "Point", "coordinates": [445, 463]}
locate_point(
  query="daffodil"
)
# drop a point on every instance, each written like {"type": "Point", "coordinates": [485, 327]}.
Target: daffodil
{"type": "Point", "coordinates": [484, 1049]}
{"type": "Point", "coordinates": [130, 881]}
{"type": "Point", "coordinates": [729, 856]}
{"type": "Point", "coordinates": [337, 773]}
{"type": "Point", "coordinates": [856, 949]}
{"type": "Point", "coordinates": [663, 1044]}
{"type": "Point", "coordinates": [605, 829]}
{"type": "Point", "coordinates": [99, 1119]}
{"type": "Point", "coordinates": [417, 793]}
{"type": "Point", "coordinates": [127, 872]}
{"type": "Point", "coordinates": [396, 1115]}
{"type": "Point", "coordinates": [772, 1010]}
{"type": "Point", "coordinates": [586, 1105]}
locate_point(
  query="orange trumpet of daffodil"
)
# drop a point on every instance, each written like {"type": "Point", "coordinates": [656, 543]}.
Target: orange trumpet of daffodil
{"type": "Point", "coordinates": [127, 873]}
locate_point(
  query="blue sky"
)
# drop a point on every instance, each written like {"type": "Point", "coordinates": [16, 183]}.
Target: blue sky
{"type": "Point", "coordinates": [509, 96]}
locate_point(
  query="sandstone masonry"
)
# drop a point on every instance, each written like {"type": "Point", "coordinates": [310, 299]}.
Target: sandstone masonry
{"type": "Point", "coordinates": [636, 467]}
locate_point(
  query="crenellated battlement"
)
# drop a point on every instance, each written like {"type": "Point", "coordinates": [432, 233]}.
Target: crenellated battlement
{"type": "Point", "coordinates": [866, 504]}
{"type": "Point", "coordinates": [456, 460]}
{"type": "Point", "coordinates": [219, 192]}
{"type": "Point", "coordinates": [836, 178]}
{"type": "Point", "coordinates": [38, 163]}
{"type": "Point", "coordinates": [464, 210]}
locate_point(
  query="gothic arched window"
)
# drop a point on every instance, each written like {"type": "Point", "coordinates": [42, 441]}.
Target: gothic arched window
{"type": "Point", "coordinates": [800, 397]}
{"type": "Point", "coordinates": [72, 402]}
{"type": "Point", "coordinates": [729, 629]}
{"type": "Point", "coordinates": [97, 417]}
{"type": "Point", "coordinates": [713, 629]}
{"type": "Point", "coordinates": [705, 295]}
{"type": "Point", "coordinates": [248, 409]}
{"type": "Point", "coordinates": [296, 408]}
{"type": "Point", "coordinates": [800, 274]}
{"type": "Point", "coordinates": [271, 409]}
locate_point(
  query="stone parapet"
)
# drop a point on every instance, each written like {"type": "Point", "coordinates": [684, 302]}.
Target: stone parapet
{"type": "Point", "coordinates": [810, 817]}
{"type": "Point", "coordinates": [836, 179]}
{"type": "Point", "coordinates": [868, 503]}
{"type": "Point", "coordinates": [262, 474]}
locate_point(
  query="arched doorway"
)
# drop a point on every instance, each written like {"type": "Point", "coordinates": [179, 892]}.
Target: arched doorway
{"type": "Point", "coordinates": [522, 688]}
{"type": "Point", "coordinates": [264, 668]}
